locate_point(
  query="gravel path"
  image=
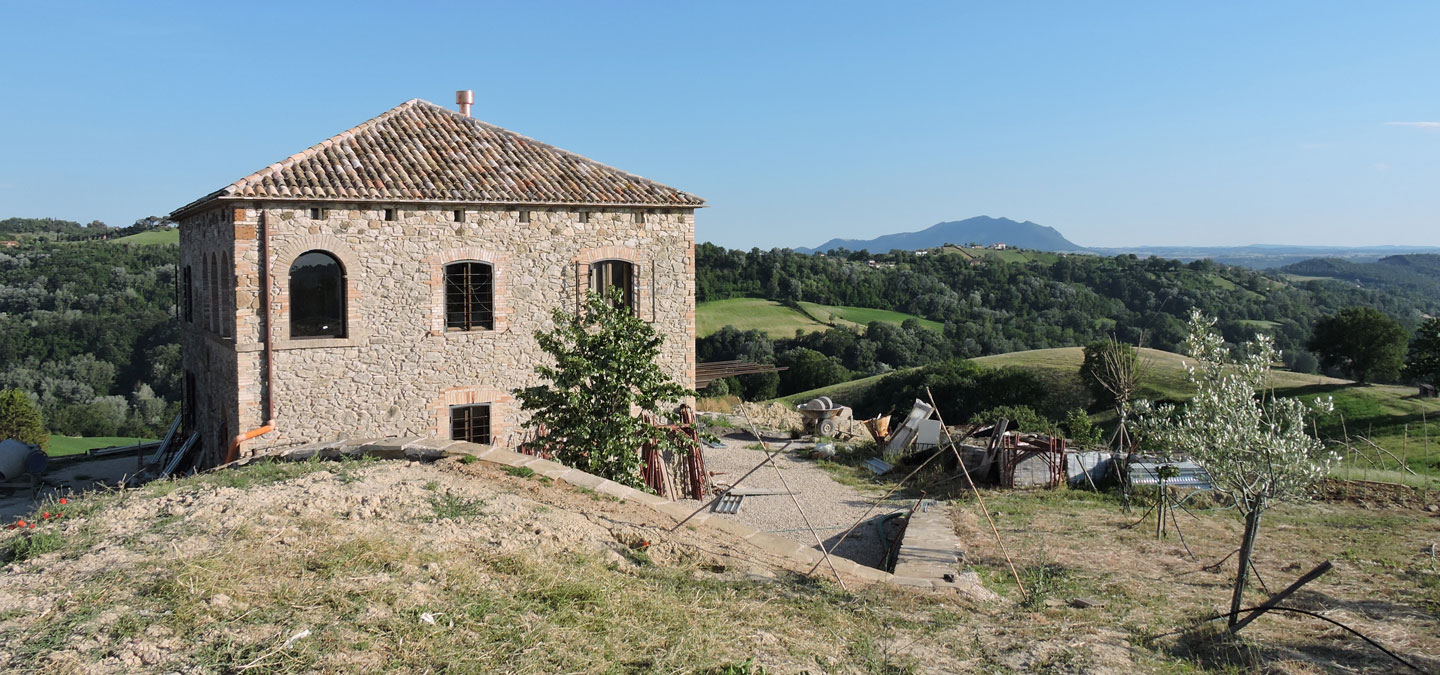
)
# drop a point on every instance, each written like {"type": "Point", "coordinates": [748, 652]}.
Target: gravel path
{"type": "Point", "coordinates": [831, 506]}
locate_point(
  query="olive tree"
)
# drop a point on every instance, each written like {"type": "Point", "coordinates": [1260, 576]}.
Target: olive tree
{"type": "Point", "coordinates": [1112, 369]}
{"type": "Point", "coordinates": [604, 372]}
{"type": "Point", "coordinates": [1251, 442]}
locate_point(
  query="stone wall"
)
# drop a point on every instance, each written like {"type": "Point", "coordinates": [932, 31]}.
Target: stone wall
{"type": "Point", "coordinates": [397, 369]}
{"type": "Point", "coordinates": [207, 249]}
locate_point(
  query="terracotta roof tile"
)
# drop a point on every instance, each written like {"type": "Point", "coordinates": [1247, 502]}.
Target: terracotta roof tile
{"type": "Point", "coordinates": [419, 151]}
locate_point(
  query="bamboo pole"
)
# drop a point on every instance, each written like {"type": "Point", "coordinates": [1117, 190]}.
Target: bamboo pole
{"type": "Point", "coordinates": [771, 459]}
{"type": "Point", "coordinates": [978, 499]}
{"type": "Point", "coordinates": [1405, 448]}
{"type": "Point", "coordinates": [878, 502]}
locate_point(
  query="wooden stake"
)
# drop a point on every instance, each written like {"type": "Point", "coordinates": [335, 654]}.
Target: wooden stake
{"type": "Point", "coordinates": [783, 482]}
{"type": "Point", "coordinates": [1276, 599]}
{"type": "Point", "coordinates": [1425, 427]}
{"type": "Point", "coordinates": [878, 502]}
{"type": "Point", "coordinates": [955, 449]}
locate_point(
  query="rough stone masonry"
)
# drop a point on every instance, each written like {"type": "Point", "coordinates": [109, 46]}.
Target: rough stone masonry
{"type": "Point", "coordinates": [427, 187]}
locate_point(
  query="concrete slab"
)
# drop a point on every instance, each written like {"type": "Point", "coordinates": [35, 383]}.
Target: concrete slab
{"type": "Point", "coordinates": [777, 545]}
{"type": "Point", "coordinates": [579, 478]}
{"type": "Point", "coordinates": [549, 469]}
{"type": "Point", "coordinates": [508, 458]}
{"type": "Point", "coordinates": [731, 526]}
{"type": "Point", "coordinates": [911, 582]}
{"type": "Point", "coordinates": [617, 490]}
{"type": "Point", "coordinates": [649, 499]}
{"type": "Point", "coordinates": [680, 511]}
{"type": "Point", "coordinates": [395, 445]}
{"type": "Point", "coordinates": [433, 444]}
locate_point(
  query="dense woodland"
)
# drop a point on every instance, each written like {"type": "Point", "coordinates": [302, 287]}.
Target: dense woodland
{"type": "Point", "coordinates": [88, 330]}
{"type": "Point", "coordinates": [992, 306]}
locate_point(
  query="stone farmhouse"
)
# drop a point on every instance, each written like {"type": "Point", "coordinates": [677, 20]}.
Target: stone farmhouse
{"type": "Point", "coordinates": [388, 281]}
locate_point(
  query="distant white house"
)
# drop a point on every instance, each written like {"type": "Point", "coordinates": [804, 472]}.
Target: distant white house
{"type": "Point", "coordinates": [1000, 246]}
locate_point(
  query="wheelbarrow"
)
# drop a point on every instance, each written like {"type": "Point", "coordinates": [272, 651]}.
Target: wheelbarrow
{"type": "Point", "coordinates": [824, 418]}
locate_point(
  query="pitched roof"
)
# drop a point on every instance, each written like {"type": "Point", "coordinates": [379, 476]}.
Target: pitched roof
{"type": "Point", "coordinates": [419, 151]}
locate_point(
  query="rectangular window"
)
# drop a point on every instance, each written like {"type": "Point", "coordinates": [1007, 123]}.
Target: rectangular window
{"type": "Point", "coordinates": [639, 217]}
{"type": "Point", "coordinates": [316, 213]}
{"type": "Point", "coordinates": [584, 216]}
{"type": "Point", "coordinates": [459, 215]}
{"type": "Point", "coordinates": [469, 296]}
{"type": "Point", "coordinates": [524, 216]}
{"type": "Point", "coordinates": [470, 423]}
{"type": "Point", "coordinates": [389, 214]}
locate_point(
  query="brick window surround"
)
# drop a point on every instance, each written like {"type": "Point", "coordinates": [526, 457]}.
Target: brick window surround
{"type": "Point", "coordinates": [500, 290]}
{"type": "Point", "coordinates": [502, 405]}
{"type": "Point", "coordinates": [643, 270]}
{"type": "Point", "coordinates": [356, 333]}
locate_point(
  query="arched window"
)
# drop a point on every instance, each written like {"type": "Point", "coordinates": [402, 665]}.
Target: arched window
{"type": "Point", "coordinates": [204, 289]}
{"type": "Point", "coordinates": [317, 296]}
{"type": "Point", "coordinates": [216, 311]}
{"type": "Point", "coordinates": [608, 274]}
{"type": "Point", "coordinates": [469, 296]}
{"type": "Point", "coordinates": [227, 296]}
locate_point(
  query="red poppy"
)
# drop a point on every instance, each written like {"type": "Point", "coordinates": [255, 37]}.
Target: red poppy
{"type": "Point", "coordinates": [62, 500]}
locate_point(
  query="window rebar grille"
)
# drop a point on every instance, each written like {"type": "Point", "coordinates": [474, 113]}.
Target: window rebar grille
{"type": "Point", "coordinates": [469, 296]}
{"type": "Point", "coordinates": [470, 423]}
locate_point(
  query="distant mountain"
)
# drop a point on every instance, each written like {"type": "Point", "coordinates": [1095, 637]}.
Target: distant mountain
{"type": "Point", "coordinates": [980, 229]}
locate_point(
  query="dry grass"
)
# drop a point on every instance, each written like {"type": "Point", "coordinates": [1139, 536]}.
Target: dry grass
{"type": "Point", "coordinates": [1382, 586]}
{"type": "Point", "coordinates": [396, 567]}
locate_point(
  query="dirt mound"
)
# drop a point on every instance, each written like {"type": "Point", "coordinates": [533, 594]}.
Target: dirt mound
{"type": "Point", "coordinates": [776, 416]}
{"type": "Point", "coordinates": [234, 542]}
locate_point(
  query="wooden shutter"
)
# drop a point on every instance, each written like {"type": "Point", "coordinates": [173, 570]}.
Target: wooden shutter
{"type": "Point", "coordinates": [644, 292]}
{"type": "Point", "coordinates": [653, 297]}
{"type": "Point", "coordinates": [583, 273]}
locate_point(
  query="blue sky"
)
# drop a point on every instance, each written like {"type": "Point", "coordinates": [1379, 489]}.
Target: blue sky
{"type": "Point", "coordinates": [1116, 123]}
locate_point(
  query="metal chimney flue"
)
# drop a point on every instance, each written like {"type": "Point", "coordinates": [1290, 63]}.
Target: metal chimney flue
{"type": "Point", "coordinates": [465, 98]}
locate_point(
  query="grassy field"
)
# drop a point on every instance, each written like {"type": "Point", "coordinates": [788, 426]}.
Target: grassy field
{"type": "Point", "coordinates": [844, 393]}
{"type": "Point", "coordinates": [71, 445]}
{"type": "Point", "coordinates": [166, 236]}
{"type": "Point", "coordinates": [779, 321]}
{"type": "Point", "coordinates": [861, 316]}
{"type": "Point", "coordinates": [772, 318]}
{"type": "Point", "coordinates": [1163, 372]}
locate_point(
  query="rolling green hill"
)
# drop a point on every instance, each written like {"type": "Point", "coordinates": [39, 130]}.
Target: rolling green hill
{"type": "Point", "coordinates": [780, 321]}
{"type": "Point", "coordinates": [861, 317]}
{"type": "Point", "coordinates": [165, 236]}
{"type": "Point", "coordinates": [752, 314]}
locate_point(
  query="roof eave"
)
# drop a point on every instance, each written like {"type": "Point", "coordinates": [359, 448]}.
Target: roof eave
{"type": "Point", "coordinates": [221, 196]}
